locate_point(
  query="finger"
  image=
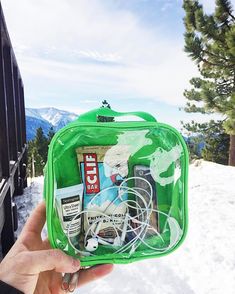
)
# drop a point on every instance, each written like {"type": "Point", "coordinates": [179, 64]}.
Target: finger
{"type": "Point", "coordinates": [94, 273]}
{"type": "Point", "coordinates": [46, 244]}
{"type": "Point", "coordinates": [34, 262]}
{"type": "Point", "coordinates": [36, 221]}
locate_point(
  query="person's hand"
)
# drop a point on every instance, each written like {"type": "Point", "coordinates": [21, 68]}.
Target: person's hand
{"type": "Point", "coordinates": [33, 267]}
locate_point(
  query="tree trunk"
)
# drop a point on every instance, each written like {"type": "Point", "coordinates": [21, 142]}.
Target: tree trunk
{"type": "Point", "coordinates": [232, 151]}
{"type": "Point", "coordinates": [33, 166]}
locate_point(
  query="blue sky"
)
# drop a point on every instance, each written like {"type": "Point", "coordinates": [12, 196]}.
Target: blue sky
{"type": "Point", "coordinates": [74, 53]}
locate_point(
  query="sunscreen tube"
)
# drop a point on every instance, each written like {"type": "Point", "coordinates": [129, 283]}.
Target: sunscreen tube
{"type": "Point", "coordinates": [69, 203]}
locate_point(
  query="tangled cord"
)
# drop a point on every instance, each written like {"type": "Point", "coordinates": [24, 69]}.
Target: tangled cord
{"type": "Point", "coordinates": [141, 221]}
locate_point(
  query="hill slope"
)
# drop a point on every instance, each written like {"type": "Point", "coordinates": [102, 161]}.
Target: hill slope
{"type": "Point", "coordinates": [46, 118]}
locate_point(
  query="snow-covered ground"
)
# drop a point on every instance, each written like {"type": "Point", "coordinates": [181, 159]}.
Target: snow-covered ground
{"type": "Point", "coordinates": [204, 264]}
{"type": "Point", "coordinates": [33, 194]}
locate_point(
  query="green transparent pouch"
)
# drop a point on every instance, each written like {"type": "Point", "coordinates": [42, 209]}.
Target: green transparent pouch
{"type": "Point", "coordinates": [116, 192]}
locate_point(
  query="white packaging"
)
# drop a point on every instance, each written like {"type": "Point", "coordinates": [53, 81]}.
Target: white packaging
{"type": "Point", "coordinates": [69, 203]}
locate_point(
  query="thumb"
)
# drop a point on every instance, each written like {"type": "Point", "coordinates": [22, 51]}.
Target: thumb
{"type": "Point", "coordinates": [34, 262]}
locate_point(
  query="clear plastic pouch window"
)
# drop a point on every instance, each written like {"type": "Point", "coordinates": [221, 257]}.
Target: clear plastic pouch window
{"type": "Point", "coordinates": [119, 192]}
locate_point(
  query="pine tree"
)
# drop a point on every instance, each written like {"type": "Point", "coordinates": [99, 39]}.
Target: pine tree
{"type": "Point", "coordinates": [37, 153]}
{"type": "Point", "coordinates": [210, 42]}
{"type": "Point", "coordinates": [50, 135]}
{"type": "Point", "coordinates": [41, 144]}
{"type": "Point", "coordinates": [35, 161]}
{"type": "Point", "coordinates": [193, 142]}
{"type": "Point", "coordinates": [208, 140]}
{"type": "Point", "coordinates": [31, 160]}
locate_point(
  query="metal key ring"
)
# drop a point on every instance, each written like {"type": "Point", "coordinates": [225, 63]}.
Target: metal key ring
{"type": "Point", "coordinates": [70, 282]}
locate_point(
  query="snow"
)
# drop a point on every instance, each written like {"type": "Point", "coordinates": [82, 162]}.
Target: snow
{"type": "Point", "coordinates": [26, 203]}
{"type": "Point", "coordinates": [33, 112]}
{"type": "Point", "coordinates": [204, 264]}
{"type": "Point", "coordinates": [52, 115]}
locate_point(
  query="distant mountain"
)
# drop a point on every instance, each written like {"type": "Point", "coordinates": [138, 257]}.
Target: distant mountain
{"type": "Point", "coordinates": [33, 123]}
{"type": "Point", "coordinates": [46, 118]}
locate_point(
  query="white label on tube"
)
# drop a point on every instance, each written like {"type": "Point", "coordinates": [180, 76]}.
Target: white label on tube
{"type": "Point", "coordinates": [69, 201]}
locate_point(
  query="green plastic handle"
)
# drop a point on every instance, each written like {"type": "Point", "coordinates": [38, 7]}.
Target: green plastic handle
{"type": "Point", "coordinates": [91, 116]}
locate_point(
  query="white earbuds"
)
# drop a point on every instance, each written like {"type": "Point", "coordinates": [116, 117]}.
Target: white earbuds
{"type": "Point", "coordinates": [91, 244]}
{"type": "Point", "coordinates": [134, 228]}
{"type": "Point", "coordinates": [117, 241]}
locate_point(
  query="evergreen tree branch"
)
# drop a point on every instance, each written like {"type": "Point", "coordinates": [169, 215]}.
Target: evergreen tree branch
{"type": "Point", "coordinates": [215, 56]}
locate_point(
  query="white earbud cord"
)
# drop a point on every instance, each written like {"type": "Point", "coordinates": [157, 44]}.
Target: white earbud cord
{"type": "Point", "coordinates": [142, 219]}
